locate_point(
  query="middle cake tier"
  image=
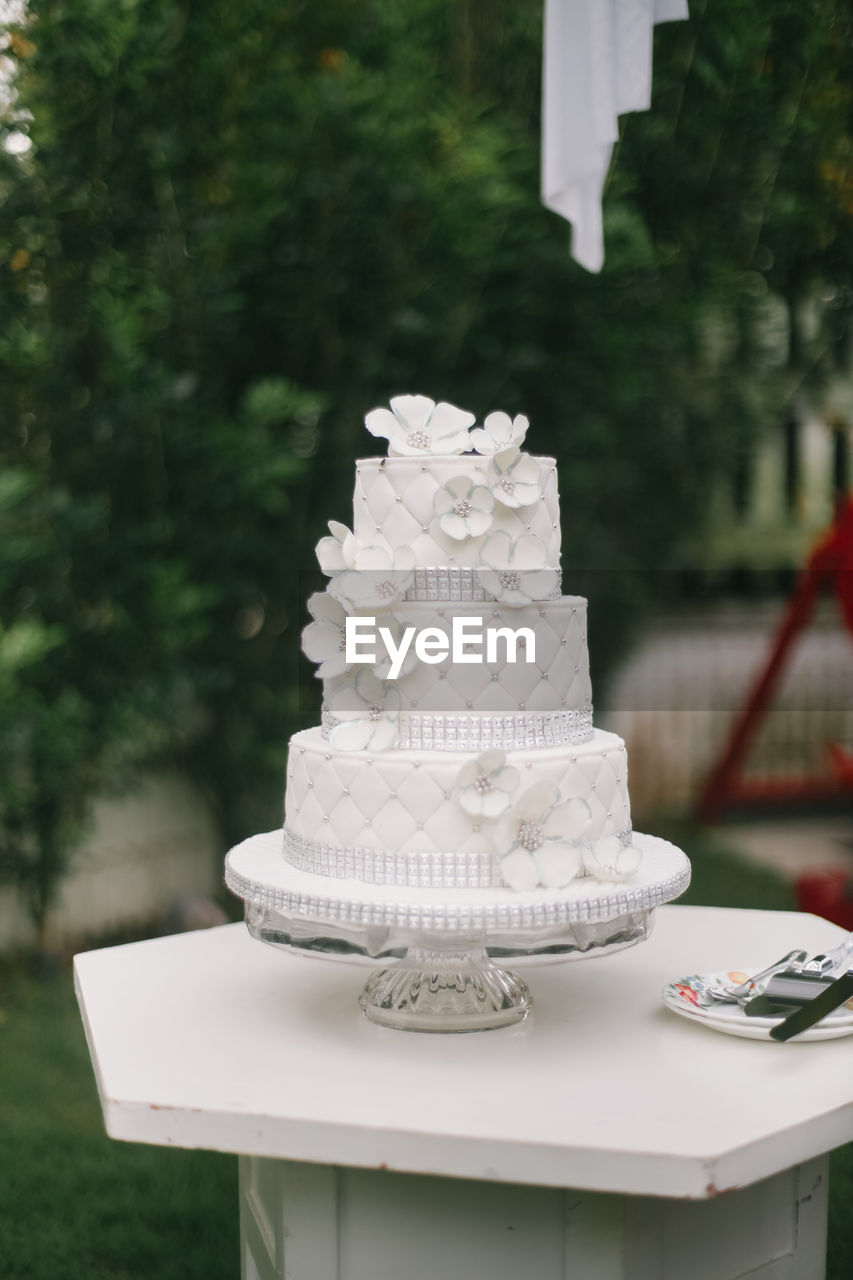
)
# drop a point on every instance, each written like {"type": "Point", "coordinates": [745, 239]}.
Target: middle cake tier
{"type": "Point", "coordinates": [528, 665]}
{"type": "Point", "coordinates": [339, 804]}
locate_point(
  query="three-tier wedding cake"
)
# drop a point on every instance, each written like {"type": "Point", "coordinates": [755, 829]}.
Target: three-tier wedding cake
{"type": "Point", "coordinates": [456, 782]}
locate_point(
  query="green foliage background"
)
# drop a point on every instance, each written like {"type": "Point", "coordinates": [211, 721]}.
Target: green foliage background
{"type": "Point", "coordinates": [241, 226]}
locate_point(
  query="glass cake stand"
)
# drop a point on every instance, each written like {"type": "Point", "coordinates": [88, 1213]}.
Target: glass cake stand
{"type": "Point", "coordinates": [443, 944]}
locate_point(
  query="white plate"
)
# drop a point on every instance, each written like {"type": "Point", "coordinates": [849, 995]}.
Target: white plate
{"type": "Point", "coordinates": [682, 998]}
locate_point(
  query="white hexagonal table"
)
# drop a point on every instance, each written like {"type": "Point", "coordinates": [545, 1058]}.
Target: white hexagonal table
{"type": "Point", "coordinates": [602, 1138]}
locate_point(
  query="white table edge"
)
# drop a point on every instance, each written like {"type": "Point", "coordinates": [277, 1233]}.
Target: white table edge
{"type": "Point", "coordinates": [675, 1176]}
{"type": "Point", "coordinates": [447, 1155]}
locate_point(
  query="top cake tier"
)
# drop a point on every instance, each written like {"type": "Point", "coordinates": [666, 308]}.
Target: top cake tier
{"type": "Point", "coordinates": [395, 498]}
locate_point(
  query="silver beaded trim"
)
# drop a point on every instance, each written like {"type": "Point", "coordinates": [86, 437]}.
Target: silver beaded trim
{"type": "Point", "coordinates": [454, 918]}
{"type": "Point", "coordinates": [454, 583]}
{"type": "Point", "coordinates": [380, 866]}
{"type": "Point", "coordinates": [508, 732]}
{"type": "Point", "coordinates": [422, 732]}
{"type": "Point", "coordinates": [405, 870]}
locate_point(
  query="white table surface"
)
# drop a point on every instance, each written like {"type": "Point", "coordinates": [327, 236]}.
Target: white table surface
{"type": "Point", "coordinates": [212, 1039]}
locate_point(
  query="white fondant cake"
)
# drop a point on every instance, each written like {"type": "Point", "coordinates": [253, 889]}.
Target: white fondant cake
{"type": "Point", "coordinates": [442, 767]}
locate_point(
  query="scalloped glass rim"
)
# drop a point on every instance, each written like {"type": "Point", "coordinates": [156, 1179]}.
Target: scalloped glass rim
{"type": "Point", "coordinates": [367, 944]}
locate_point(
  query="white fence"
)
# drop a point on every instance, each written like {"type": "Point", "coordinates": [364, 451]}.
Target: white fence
{"type": "Point", "coordinates": [145, 852]}
{"type": "Point", "coordinates": [675, 699]}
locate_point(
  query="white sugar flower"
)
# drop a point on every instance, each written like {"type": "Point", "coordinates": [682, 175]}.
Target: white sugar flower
{"type": "Point", "coordinates": [324, 639]}
{"type": "Point", "coordinates": [416, 427]}
{"type": "Point", "coordinates": [378, 577]}
{"type": "Point", "coordinates": [514, 570]}
{"type": "Point", "coordinates": [513, 478]}
{"type": "Point", "coordinates": [464, 509]}
{"type": "Point", "coordinates": [337, 552]}
{"type": "Point", "coordinates": [484, 786]}
{"type": "Point", "coordinates": [499, 432]}
{"type": "Point", "coordinates": [367, 711]}
{"type": "Point", "coordinates": [610, 859]}
{"type": "Point", "coordinates": [537, 838]}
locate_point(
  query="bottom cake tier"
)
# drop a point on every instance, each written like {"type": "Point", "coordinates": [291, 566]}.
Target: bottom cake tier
{"type": "Point", "coordinates": [409, 817]}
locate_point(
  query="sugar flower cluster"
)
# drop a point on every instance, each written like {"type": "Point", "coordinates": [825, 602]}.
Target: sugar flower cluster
{"type": "Point", "coordinates": [416, 426]}
{"type": "Point", "coordinates": [537, 834]}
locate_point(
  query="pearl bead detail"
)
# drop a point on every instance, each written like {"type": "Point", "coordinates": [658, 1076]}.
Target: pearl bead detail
{"type": "Point", "coordinates": [530, 836]}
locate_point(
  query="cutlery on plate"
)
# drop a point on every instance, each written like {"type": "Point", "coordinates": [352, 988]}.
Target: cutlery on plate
{"type": "Point", "coordinates": [786, 992]}
{"type": "Point", "coordinates": [828, 962]}
{"type": "Point", "coordinates": [808, 1015]}
{"type": "Point", "coordinates": [791, 962]}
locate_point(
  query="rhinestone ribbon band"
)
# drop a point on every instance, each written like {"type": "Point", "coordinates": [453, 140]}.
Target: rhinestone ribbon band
{"type": "Point", "coordinates": [455, 583]}
{"type": "Point", "coordinates": [412, 870]}
{"type": "Point", "coordinates": [336, 908]}
{"type": "Point", "coordinates": [422, 732]}
{"type": "Point", "coordinates": [378, 866]}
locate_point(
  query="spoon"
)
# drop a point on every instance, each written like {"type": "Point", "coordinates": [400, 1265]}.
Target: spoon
{"type": "Point", "coordinates": [792, 962]}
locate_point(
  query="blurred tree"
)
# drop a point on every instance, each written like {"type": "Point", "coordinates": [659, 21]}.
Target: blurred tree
{"type": "Point", "coordinates": [236, 228]}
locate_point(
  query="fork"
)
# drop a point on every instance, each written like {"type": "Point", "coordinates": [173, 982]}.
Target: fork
{"type": "Point", "coordinates": [841, 954]}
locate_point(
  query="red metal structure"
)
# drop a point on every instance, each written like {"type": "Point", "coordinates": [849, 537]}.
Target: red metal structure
{"type": "Point", "coordinates": [829, 568]}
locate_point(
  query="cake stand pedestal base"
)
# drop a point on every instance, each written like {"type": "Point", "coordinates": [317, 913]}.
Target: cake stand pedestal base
{"type": "Point", "coordinates": [433, 990]}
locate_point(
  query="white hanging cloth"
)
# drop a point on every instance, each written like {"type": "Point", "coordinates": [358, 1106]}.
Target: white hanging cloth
{"type": "Point", "coordinates": [598, 64]}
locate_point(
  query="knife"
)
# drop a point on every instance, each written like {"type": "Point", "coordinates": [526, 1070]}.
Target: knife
{"type": "Point", "coordinates": [767, 1007]}
{"type": "Point", "coordinates": [784, 993]}
{"type": "Point", "coordinates": [809, 1014]}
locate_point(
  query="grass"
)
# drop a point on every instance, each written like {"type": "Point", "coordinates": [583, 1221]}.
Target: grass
{"type": "Point", "coordinates": [75, 1204]}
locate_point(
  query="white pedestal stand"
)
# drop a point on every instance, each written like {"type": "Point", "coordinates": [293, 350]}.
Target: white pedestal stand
{"type": "Point", "coordinates": [310, 1222]}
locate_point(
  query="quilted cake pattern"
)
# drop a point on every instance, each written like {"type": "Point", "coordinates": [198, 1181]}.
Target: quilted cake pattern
{"type": "Point", "coordinates": [404, 802]}
{"type": "Point", "coordinates": [559, 678]}
{"type": "Point", "coordinates": [394, 497]}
